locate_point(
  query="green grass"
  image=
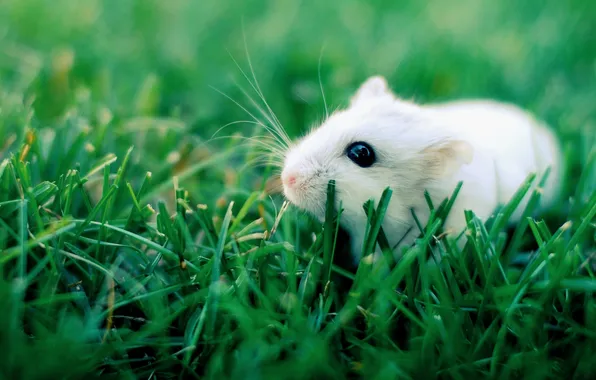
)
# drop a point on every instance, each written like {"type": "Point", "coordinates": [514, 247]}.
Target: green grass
{"type": "Point", "coordinates": [133, 245]}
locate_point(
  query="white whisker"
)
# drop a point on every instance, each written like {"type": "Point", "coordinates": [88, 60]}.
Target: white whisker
{"type": "Point", "coordinates": [321, 83]}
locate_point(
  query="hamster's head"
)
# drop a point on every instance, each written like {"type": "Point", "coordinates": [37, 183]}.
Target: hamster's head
{"type": "Point", "coordinates": [378, 141]}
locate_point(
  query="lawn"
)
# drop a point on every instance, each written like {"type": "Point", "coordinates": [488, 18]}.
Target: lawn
{"type": "Point", "coordinates": [138, 240]}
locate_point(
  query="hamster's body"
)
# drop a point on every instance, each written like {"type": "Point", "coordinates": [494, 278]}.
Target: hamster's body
{"type": "Point", "coordinates": [509, 139]}
{"type": "Point", "coordinates": [381, 140]}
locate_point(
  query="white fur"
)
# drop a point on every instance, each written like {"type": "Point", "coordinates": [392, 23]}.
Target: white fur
{"type": "Point", "coordinates": [491, 146]}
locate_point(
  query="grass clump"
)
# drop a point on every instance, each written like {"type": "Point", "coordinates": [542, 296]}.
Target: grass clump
{"type": "Point", "coordinates": [133, 246]}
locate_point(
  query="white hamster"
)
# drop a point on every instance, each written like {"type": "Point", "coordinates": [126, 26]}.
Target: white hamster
{"type": "Point", "coordinates": [380, 140]}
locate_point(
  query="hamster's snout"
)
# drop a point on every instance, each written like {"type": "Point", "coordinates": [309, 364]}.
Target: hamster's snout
{"type": "Point", "coordinates": [291, 187]}
{"type": "Point", "coordinates": [288, 179]}
{"type": "Point", "coordinates": [304, 188]}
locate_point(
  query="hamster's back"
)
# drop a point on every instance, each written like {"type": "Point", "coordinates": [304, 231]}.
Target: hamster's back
{"type": "Point", "coordinates": [516, 142]}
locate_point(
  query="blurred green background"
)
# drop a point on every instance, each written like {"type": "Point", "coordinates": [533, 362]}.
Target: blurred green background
{"type": "Point", "coordinates": [538, 54]}
{"type": "Point", "coordinates": [94, 77]}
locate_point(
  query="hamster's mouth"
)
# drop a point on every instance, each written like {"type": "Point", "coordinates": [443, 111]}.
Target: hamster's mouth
{"type": "Point", "coordinates": [306, 198]}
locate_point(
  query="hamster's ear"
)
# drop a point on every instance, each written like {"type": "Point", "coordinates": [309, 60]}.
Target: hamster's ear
{"type": "Point", "coordinates": [445, 158]}
{"type": "Point", "coordinates": [374, 86]}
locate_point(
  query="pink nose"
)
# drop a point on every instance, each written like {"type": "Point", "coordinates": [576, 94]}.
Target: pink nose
{"type": "Point", "coordinates": [289, 179]}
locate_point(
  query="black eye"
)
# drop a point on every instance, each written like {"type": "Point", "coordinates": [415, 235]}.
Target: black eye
{"type": "Point", "coordinates": [361, 154]}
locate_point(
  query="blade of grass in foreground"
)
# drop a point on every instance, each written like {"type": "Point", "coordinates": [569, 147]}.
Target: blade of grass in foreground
{"type": "Point", "coordinates": [210, 306]}
{"type": "Point", "coordinates": [50, 233]}
{"type": "Point", "coordinates": [243, 212]}
{"type": "Point", "coordinates": [381, 238]}
{"type": "Point", "coordinates": [137, 237]}
{"type": "Point", "coordinates": [523, 223]}
{"type": "Point", "coordinates": [377, 221]}
{"type": "Point", "coordinates": [22, 239]}
{"type": "Point", "coordinates": [374, 218]}
{"type": "Point", "coordinates": [587, 219]}
{"type": "Point", "coordinates": [188, 172]}
{"type": "Point", "coordinates": [329, 232]}
{"type": "Point", "coordinates": [504, 216]}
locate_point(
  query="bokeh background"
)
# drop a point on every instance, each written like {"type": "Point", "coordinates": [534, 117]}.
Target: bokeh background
{"type": "Point", "coordinates": [94, 77]}
{"type": "Point", "coordinates": [164, 59]}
